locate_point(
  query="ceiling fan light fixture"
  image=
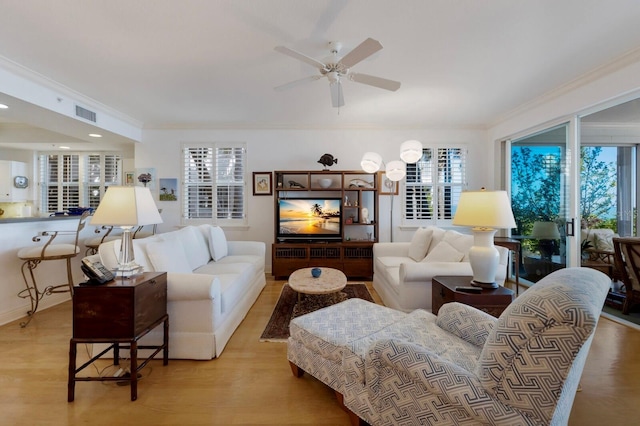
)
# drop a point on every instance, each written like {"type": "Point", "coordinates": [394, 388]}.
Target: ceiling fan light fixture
{"type": "Point", "coordinates": [411, 151]}
{"type": "Point", "coordinates": [371, 162]}
{"type": "Point", "coordinates": [396, 170]}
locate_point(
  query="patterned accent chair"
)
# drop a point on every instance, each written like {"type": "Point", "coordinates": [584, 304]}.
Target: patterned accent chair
{"type": "Point", "coordinates": [527, 370]}
{"type": "Point", "coordinates": [628, 261]}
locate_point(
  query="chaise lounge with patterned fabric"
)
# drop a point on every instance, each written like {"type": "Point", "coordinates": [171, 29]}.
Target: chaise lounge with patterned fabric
{"type": "Point", "coordinates": [461, 367]}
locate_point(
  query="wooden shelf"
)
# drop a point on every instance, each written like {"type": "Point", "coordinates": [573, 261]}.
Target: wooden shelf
{"type": "Point", "coordinates": [353, 252]}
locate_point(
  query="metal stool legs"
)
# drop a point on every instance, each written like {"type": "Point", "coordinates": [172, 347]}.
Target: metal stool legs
{"type": "Point", "coordinates": [33, 292]}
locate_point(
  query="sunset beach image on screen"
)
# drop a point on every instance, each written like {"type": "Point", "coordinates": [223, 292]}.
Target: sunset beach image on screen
{"type": "Point", "coordinates": [309, 217]}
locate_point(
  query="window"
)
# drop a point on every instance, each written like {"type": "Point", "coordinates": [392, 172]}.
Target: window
{"type": "Point", "coordinates": [214, 184]}
{"type": "Point", "coordinates": [76, 179]}
{"type": "Point", "coordinates": [434, 184]}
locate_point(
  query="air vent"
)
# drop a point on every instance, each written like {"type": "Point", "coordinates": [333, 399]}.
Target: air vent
{"type": "Point", "coordinates": [85, 113]}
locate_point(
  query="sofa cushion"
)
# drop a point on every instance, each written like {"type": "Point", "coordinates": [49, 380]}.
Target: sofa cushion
{"type": "Point", "coordinates": [436, 236]}
{"type": "Point", "coordinates": [444, 252]}
{"type": "Point", "coordinates": [459, 241]}
{"type": "Point", "coordinates": [217, 243]}
{"type": "Point", "coordinates": [109, 253]}
{"type": "Point", "coordinates": [604, 240]}
{"type": "Point", "coordinates": [194, 245]}
{"type": "Point", "coordinates": [168, 256]}
{"type": "Point", "coordinates": [420, 243]}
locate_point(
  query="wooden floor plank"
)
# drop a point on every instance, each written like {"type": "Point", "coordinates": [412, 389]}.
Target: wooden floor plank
{"type": "Point", "coordinates": [251, 383]}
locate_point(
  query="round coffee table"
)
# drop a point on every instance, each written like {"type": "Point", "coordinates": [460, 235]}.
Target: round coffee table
{"type": "Point", "coordinates": [320, 292]}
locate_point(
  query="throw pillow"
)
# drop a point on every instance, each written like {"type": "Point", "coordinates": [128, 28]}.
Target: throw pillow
{"type": "Point", "coordinates": [604, 241]}
{"type": "Point", "coordinates": [420, 244]}
{"type": "Point", "coordinates": [459, 241]}
{"type": "Point", "coordinates": [168, 256]}
{"type": "Point", "coordinates": [444, 252]}
{"type": "Point", "coordinates": [217, 243]}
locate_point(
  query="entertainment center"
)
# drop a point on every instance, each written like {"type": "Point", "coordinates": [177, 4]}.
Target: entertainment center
{"type": "Point", "coordinates": [325, 218]}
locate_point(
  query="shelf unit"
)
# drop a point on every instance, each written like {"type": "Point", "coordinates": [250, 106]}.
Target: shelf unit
{"type": "Point", "coordinates": [352, 251]}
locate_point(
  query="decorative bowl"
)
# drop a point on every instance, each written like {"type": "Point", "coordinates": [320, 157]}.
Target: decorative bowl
{"type": "Point", "coordinates": [315, 272]}
{"type": "Point", "coordinates": [325, 182]}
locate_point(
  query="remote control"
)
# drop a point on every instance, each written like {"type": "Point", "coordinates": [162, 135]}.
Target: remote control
{"type": "Point", "coordinates": [469, 289]}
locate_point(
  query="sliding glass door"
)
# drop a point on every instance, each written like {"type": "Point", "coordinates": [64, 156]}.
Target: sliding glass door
{"type": "Point", "coordinates": [540, 201]}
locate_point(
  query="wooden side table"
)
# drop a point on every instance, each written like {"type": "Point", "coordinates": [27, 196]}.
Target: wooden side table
{"type": "Point", "coordinates": [492, 301]}
{"type": "Point", "coordinates": [120, 313]}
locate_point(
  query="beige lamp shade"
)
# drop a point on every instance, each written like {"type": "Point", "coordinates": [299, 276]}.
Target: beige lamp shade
{"type": "Point", "coordinates": [127, 206]}
{"type": "Point", "coordinates": [545, 231]}
{"type": "Point", "coordinates": [484, 209]}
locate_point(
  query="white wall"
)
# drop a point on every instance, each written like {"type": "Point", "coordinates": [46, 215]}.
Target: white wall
{"type": "Point", "coordinates": [269, 150]}
{"type": "Point", "coordinates": [593, 90]}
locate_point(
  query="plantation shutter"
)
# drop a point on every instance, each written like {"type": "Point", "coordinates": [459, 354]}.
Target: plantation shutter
{"type": "Point", "coordinates": [434, 184]}
{"type": "Point", "coordinates": [75, 180]}
{"type": "Point", "coordinates": [230, 183]}
{"type": "Point", "coordinates": [214, 184]}
{"type": "Point", "coordinates": [198, 181]}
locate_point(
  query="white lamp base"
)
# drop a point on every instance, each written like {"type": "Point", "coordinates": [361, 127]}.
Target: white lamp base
{"type": "Point", "coordinates": [484, 258]}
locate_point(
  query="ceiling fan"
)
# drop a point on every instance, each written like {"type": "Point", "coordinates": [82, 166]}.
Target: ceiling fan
{"type": "Point", "coordinates": [337, 69]}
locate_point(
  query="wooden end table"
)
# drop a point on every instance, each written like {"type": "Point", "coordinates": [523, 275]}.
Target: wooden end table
{"type": "Point", "coordinates": [119, 312]}
{"type": "Point", "coordinates": [492, 301]}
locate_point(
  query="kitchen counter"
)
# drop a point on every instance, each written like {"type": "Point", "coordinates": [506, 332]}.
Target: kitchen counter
{"type": "Point", "coordinates": [4, 220]}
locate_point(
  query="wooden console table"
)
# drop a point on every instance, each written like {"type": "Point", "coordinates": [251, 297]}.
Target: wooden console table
{"type": "Point", "coordinates": [119, 312]}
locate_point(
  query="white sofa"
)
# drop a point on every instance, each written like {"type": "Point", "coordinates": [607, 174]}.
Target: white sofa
{"type": "Point", "coordinates": [211, 285]}
{"type": "Point", "coordinates": [402, 271]}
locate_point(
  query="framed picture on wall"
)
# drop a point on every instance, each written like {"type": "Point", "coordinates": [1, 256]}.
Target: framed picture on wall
{"type": "Point", "coordinates": [262, 184]}
{"type": "Point", "coordinates": [168, 189]}
{"type": "Point", "coordinates": [386, 186]}
{"type": "Point", "coordinates": [129, 178]}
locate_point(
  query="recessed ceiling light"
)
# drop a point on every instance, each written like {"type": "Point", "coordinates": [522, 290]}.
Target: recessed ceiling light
{"type": "Point", "coordinates": [95, 135]}
{"type": "Point", "coordinates": [64, 147]}
{"type": "Point", "coordinates": [3, 106]}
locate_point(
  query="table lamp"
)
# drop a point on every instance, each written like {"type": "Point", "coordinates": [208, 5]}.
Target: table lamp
{"type": "Point", "coordinates": [546, 233]}
{"type": "Point", "coordinates": [126, 207]}
{"type": "Point", "coordinates": [485, 212]}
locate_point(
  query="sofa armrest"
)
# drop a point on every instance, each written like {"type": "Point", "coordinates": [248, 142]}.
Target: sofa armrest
{"type": "Point", "coordinates": [393, 368]}
{"type": "Point", "coordinates": [466, 322]}
{"type": "Point", "coordinates": [256, 248]}
{"type": "Point", "coordinates": [182, 286]}
{"type": "Point", "coordinates": [391, 249]}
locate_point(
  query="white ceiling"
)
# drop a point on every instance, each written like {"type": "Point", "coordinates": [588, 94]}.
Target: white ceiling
{"type": "Point", "coordinates": [212, 64]}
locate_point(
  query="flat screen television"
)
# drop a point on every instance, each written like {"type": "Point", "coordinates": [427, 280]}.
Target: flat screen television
{"type": "Point", "coordinates": [309, 219]}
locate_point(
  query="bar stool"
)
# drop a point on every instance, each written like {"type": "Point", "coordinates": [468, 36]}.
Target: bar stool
{"type": "Point", "coordinates": [32, 257]}
{"type": "Point", "coordinates": [93, 243]}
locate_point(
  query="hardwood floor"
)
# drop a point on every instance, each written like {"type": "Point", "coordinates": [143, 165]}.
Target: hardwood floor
{"type": "Point", "coordinates": [251, 382]}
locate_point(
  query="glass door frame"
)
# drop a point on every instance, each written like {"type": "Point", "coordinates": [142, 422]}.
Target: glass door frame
{"type": "Point", "coordinates": [571, 174]}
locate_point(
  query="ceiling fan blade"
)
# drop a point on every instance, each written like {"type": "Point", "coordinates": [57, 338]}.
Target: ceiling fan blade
{"type": "Point", "coordinates": [337, 100]}
{"type": "Point", "coordinates": [299, 56]}
{"type": "Point", "coordinates": [361, 52]}
{"type": "Point", "coordinates": [371, 80]}
{"type": "Point", "coordinates": [297, 82]}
